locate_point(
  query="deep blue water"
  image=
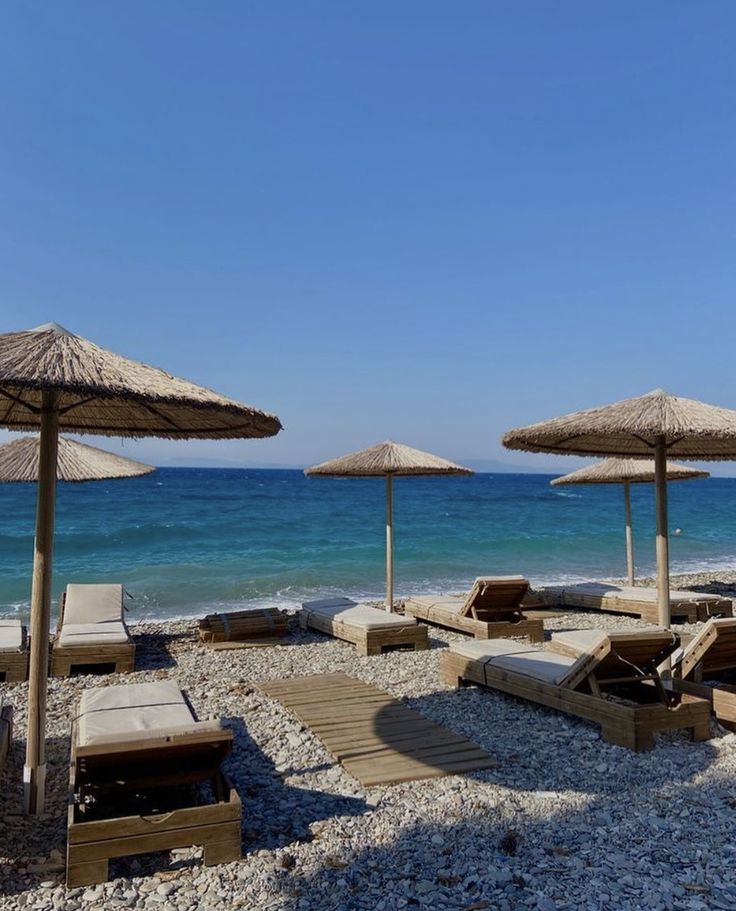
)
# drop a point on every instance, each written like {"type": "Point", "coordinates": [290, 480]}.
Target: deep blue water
{"type": "Point", "coordinates": [183, 538]}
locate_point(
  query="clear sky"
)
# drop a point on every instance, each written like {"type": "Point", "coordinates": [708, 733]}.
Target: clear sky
{"type": "Point", "coordinates": [419, 220]}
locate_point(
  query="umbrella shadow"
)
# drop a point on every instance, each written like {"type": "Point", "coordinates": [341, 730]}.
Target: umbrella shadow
{"type": "Point", "coordinates": [276, 814]}
{"type": "Point", "coordinates": [519, 735]}
{"type": "Point", "coordinates": [508, 852]}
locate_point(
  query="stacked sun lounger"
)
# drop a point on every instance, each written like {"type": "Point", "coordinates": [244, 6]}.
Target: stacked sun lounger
{"type": "Point", "coordinates": [266, 623]}
{"type": "Point", "coordinates": [639, 601]}
{"type": "Point", "coordinates": [609, 678]}
{"type": "Point", "coordinates": [371, 629]}
{"type": "Point", "coordinates": [13, 651]}
{"type": "Point", "coordinates": [492, 609]}
{"type": "Point", "coordinates": [146, 776]}
{"type": "Point", "coordinates": [91, 633]}
{"type": "Point", "coordinates": [706, 667]}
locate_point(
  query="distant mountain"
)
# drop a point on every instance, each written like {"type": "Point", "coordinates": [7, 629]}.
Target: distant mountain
{"type": "Point", "coordinates": [204, 462]}
{"type": "Point", "coordinates": [494, 466]}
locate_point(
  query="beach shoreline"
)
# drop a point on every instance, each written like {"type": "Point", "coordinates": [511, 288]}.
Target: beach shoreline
{"type": "Point", "coordinates": [534, 832]}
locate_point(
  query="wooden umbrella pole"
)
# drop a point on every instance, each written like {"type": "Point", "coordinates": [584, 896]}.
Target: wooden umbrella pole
{"type": "Point", "coordinates": [389, 543]}
{"type": "Point", "coordinates": [629, 534]}
{"type": "Point", "coordinates": [663, 556]}
{"type": "Point", "coordinates": [34, 773]}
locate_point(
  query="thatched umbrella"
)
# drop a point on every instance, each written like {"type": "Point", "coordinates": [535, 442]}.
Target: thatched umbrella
{"type": "Point", "coordinates": [390, 460]}
{"type": "Point", "coordinates": [75, 462]}
{"type": "Point", "coordinates": [627, 472]}
{"type": "Point", "coordinates": [657, 423]}
{"type": "Point", "coordinates": [56, 381]}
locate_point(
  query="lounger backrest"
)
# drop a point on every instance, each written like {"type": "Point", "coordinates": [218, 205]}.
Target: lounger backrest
{"type": "Point", "coordinates": [714, 648]}
{"type": "Point", "coordinates": [496, 594]}
{"type": "Point", "coordinates": [617, 654]}
{"type": "Point", "coordinates": [93, 603]}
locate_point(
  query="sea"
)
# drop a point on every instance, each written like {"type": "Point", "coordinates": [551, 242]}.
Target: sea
{"type": "Point", "coordinates": [188, 540]}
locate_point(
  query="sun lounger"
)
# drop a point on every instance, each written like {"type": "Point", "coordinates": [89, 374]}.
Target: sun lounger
{"type": "Point", "coordinates": [706, 667]}
{"type": "Point", "coordinates": [146, 776]}
{"type": "Point", "coordinates": [6, 732]}
{"type": "Point", "coordinates": [610, 679]}
{"type": "Point", "coordinates": [492, 608]}
{"type": "Point", "coordinates": [13, 651]}
{"type": "Point", "coordinates": [640, 602]}
{"type": "Point", "coordinates": [370, 629]}
{"type": "Point", "coordinates": [267, 623]}
{"type": "Point", "coordinates": [91, 635]}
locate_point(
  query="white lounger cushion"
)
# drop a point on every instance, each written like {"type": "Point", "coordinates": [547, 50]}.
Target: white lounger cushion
{"type": "Point", "coordinates": [519, 659]}
{"type": "Point", "coordinates": [93, 634]}
{"type": "Point", "coordinates": [11, 635]}
{"type": "Point", "coordinates": [93, 615]}
{"type": "Point", "coordinates": [93, 603]}
{"type": "Point", "coordinates": [632, 593]}
{"type": "Point", "coordinates": [451, 604]}
{"type": "Point", "coordinates": [580, 640]}
{"type": "Point", "coordinates": [114, 714]}
{"type": "Point", "coordinates": [483, 649]}
{"type": "Point", "coordinates": [346, 611]}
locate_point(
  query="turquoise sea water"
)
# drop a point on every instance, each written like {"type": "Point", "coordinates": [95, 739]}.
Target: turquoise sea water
{"type": "Point", "coordinates": [183, 538]}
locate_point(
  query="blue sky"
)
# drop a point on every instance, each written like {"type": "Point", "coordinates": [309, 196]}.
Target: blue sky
{"type": "Point", "coordinates": [417, 220]}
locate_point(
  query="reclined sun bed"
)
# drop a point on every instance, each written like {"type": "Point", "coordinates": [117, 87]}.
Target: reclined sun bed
{"type": "Point", "coordinates": [146, 776]}
{"type": "Point", "coordinates": [610, 679]}
{"type": "Point", "coordinates": [6, 732]}
{"type": "Point", "coordinates": [639, 601]}
{"type": "Point", "coordinates": [491, 609]}
{"type": "Point", "coordinates": [370, 629]}
{"type": "Point", "coordinates": [91, 634]}
{"type": "Point", "coordinates": [266, 625]}
{"type": "Point", "coordinates": [706, 667]}
{"type": "Point", "coordinates": [13, 651]}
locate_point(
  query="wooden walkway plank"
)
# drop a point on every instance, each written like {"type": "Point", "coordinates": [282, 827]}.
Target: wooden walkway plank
{"type": "Point", "coordinates": [376, 738]}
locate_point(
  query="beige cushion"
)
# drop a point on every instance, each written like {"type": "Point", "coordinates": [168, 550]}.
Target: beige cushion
{"type": "Point", "coordinates": [451, 604]}
{"type": "Point", "coordinates": [545, 666]}
{"type": "Point", "coordinates": [630, 593]}
{"type": "Point", "coordinates": [93, 603]}
{"type": "Point", "coordinates": [73, 634]}
{"type": "Point", "coordinates": [119, 713]}
{"type": "Point", "coordinates": [11, 635]}
{"type": "Point", "coordinates": [521, 659]}
{"type": "Point", "coordinates": [346, 611]}
{"type": "Point", "coordinates": [580, 641]}
{"type": "Point", "coordinates": [485, 649]}
{"type": "Point", "coordinates": [489, 580]}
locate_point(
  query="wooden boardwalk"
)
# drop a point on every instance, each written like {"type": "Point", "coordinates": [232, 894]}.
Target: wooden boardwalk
{"type": "Point", "coordinates": [376, 738]}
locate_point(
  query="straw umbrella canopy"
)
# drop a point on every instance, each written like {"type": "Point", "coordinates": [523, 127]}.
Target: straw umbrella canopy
{"type": "Point", "coordinates": [627, 472]}
{"type": "Point", "coordinates": [656, 423]}
{"type": "Point", "coordinates": [75, 462]}
{"type": "Point", "coordinates": [388, 460]}
{"type": "Point", "coordinates": [53, 380]}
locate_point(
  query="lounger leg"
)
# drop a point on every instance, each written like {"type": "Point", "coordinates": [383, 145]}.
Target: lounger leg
{"type": "Point", "coordinates": [449, 678]}
{"type": "Point", "coordinates": [222, 852]}
{"type": "Point", "coordinates": [700, 731]}
{"type": "Point", "coordinates": [87, 873]}
{"type": "Point", "coordinates": [632, 738]}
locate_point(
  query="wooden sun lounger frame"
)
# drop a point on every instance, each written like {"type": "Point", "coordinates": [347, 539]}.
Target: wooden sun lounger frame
{"type": "Point", "coordinates": [121, 655]}
{"type": "Point", "coordinates": [367, 641]}
{"type": "Point", "coordinates": [622, 722]}
{"type": "Point", "coordinates": [508, 620]}
{"type": "Point", "coordinates": [690, 611]}
{"type": "Point", "coordinates": [216, 826]}
{"type": "Point", "coordinates": [688, 676]}
{"type": "Point", "coordinates": [14, 664]}
{"type": "Point", "coordinates": [6, 733]}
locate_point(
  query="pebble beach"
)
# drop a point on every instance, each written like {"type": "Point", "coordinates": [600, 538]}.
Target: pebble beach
{"type": "Point", "coordinates": [564, 821]}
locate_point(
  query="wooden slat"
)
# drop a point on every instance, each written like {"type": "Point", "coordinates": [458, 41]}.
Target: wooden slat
{"type": "Point", "coordinates": [376, 738]}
